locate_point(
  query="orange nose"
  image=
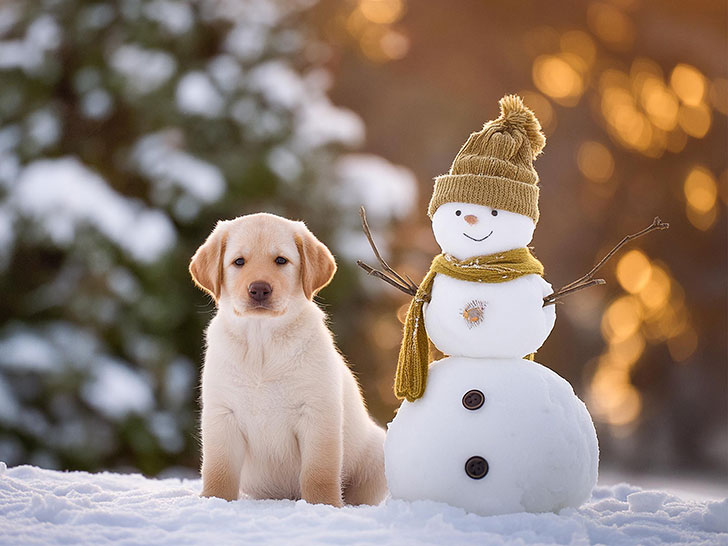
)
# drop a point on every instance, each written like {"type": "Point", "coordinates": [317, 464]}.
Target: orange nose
{"type": "Point", "coordinates": [472, 220]}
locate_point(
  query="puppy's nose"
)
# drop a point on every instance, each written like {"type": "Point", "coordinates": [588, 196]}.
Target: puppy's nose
{"type": "Point", "coordinates": [470, 219]}
{"type": "Point", "coordinates": [259, 290]}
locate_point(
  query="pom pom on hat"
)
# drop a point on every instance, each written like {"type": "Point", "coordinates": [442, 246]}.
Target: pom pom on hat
{"type": "Point", "coordinates": [516, 115]}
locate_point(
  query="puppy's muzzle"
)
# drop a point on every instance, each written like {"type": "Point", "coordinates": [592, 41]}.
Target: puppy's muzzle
{"type": "Point", "coordinates": [260, 291]}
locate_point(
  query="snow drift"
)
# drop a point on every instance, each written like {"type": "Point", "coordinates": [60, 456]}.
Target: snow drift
{"type": "Point", "coordinates": [49, 507]}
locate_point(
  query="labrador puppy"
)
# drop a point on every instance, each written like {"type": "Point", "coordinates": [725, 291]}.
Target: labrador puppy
{"type": "Point", "coordinates": [282, 414]}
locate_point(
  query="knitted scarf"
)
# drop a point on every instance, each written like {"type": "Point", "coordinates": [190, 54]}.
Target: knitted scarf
{"type": "Point", "coordinates": [411, 377]}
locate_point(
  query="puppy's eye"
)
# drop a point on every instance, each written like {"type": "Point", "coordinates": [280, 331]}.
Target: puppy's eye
{"type": "Point", "coordinates": [280, 260]}
{"type": "Point", "coordinates": [458, 213]}
{"type": "Point", "coordinates": [494, 212]}
{"type": "Point", "coordinates": [240, 262]}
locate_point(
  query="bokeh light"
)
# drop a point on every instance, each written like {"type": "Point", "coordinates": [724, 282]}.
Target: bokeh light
{"type": "Point", "coordinates": [656, 291]}
{"type": "Point", "coordinates": [580, 44]}
{"type": "Point", "coordinates": [558, 79]}
{"type": "Point", "coordinates": [700, 189]}
{"type": "Point", "coordinates": [382, 11]}
{"type": "Point", "coordinates": [634, 271]}
{"type": "Point", "coordinates": [701, 193]}
{"type": "Point", "coordinates": [611, 25]}
{"type": "Point", "coordinates": [595, 161]}
{"type": "Point", "coordinates": [688, 83]}
{"type": "Point", "coordinates": [695, 120]}
{"type": "Point", "coordinates": [621, 319]}
{"type": "Point", "coordinates": [660, 104]}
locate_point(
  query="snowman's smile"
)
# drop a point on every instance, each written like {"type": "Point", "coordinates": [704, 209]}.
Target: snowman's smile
{"type": "Point", "coordinates": [478, 240]}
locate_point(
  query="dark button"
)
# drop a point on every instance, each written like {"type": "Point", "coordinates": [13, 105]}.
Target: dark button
{"type": "Point", "coordinates": [476, 467]}
{"type": "Point", "coordinates": [473, 399]}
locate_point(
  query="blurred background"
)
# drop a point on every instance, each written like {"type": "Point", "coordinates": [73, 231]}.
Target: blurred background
{"type": "Point", "coordinates": [128, 128]}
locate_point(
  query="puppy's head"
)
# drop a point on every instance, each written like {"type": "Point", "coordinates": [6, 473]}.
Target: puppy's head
{"type": "Point", "coordinates": [261, 264]}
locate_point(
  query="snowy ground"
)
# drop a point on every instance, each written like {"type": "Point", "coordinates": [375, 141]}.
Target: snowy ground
{"type": "Point", "coordinates": [49, 507]}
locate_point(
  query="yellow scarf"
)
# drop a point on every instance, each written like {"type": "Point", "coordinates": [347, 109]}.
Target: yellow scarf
{"type": "Point", "coordinates": [411, 377]}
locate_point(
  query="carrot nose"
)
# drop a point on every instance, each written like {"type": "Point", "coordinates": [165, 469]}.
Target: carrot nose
{"type": "Point", "coordinates": [472, 220]}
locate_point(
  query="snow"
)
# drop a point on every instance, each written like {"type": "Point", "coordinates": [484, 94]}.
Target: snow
{"type": "Point", "coordinates": [179, 380]}
{"type": "Point", "coordinates": [226, 72]}
{"type": "Point", "coordinates": [144, 70]}
{"type": "Point", "coordinates": [60, 195]}
{"type": "Point", "coordinates": [96, 16]}
{"type": "Point", "coordinates": [9, 15]}
{"type": "Point", "coordinates": [49, 507]}
{"type": "Point", "coordinates": [44, 33]}
{"type": "Point", "coordinates": [278, 82]}
{"type": "Point", "coordinates": [27, 350]}
{"type": "Point", "coordinates": [688, 486]}
{"type": "Point", "coordinates": [42, 37]}
{"type": "Point", "coordinates": [9, 407]}
{"type": "Point", "coordinates": [47, 348]}
{"type": "Point", "coordinates": [247, 42]}
{"type": "Point", "coordinates": [116, 390]}
{"type": "Point", "coordinates": [96, 104]}
{"type": "Point", "coordinates": [175, 17]}
{"type": "Point", "coordinates": [44, 128]}
{"type": "Point", "coordinates": [284, 163]}
{"type": "Point", "coordinates": [387, 191]}
{"type": "Point", "coordinates": [319, 123]}
{"type": "Point", "coordinates": [160, 158]}
{"type": "Point", "coordinates": [646, 501]}
{"type": "Point", "coordinates": [197, 95]}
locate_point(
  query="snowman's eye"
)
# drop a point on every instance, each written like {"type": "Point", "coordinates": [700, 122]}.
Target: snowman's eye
{"type": "Point", "coordinates": [494, 212]}
{"type": "Point", "coordinates": [458, 213]}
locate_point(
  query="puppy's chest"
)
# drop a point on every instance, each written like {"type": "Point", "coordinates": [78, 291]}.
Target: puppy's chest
{"type": "Point", "coordinates": [263, 401]}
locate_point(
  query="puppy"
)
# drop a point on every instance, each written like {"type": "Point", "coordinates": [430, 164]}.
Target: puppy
{"type": "Point", "coordinates": [282, 414]}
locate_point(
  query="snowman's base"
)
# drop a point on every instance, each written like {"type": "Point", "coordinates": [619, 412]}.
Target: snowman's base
{"type": "Point", "coordinates": [493, 436]}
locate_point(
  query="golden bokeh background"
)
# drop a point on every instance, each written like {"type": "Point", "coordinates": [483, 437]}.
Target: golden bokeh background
{"type": "Point", "coordinates": [633, 98]}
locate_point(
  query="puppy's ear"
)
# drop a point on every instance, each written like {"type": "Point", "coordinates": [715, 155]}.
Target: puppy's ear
{"type": "Point", "coordinates": [206, 265]}
{"type": "Point", "coordinates": [317, 264]}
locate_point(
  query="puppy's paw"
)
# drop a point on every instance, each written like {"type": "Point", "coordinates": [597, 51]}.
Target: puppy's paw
{"type": "Point", "coordinates": [227, 494]}
{"type": "Point", "coordinates": [322, 492]}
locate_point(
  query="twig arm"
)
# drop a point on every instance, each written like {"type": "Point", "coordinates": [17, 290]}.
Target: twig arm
{"type": "Point", "coordinates": [389, 275]}
{"type": "Point", "coordinates": [553, 298]}
{"type": "Point", "coordinates": [588, 280]}
{"type": "Point", "coordinates": [378, 274]}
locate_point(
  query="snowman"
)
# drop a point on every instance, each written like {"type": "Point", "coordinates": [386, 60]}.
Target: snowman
{"type": "Point", "coordinates": [487, 428]}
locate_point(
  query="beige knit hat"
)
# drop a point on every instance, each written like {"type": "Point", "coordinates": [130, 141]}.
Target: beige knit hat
{"type": "Point", "coordinates": [495, 166]}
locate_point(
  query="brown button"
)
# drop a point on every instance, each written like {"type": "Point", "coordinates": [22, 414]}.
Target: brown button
{"type": "Point", "coordinates": [476, 467]}
{"type": "Point", "coordinates": [473, 399]}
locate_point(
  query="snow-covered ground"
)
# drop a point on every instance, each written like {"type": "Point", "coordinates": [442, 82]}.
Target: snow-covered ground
{"type": "Point", "coordinates": [49, 507]}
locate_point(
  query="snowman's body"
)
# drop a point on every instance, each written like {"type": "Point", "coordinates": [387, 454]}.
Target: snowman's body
{"type": "Point", "coordinates": [494, 320]}
{"type": "Point", "coordinates": [493, 433]}
{"type": "Point", "coordinates": [535, 435]}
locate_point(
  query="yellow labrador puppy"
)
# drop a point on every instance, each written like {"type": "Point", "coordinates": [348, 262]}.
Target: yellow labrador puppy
{"type": "Point", "coordinates": [282, 414]}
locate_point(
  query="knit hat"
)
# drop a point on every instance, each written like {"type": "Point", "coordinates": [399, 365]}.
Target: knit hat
{"type": "Point", "coordinates": [495, 166]}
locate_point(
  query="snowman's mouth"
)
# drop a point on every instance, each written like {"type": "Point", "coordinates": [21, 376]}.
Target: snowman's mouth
{"type": "Point", "coordinates": [478, 240]}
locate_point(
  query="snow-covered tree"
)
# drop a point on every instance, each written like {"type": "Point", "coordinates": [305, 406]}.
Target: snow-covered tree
{"type": "Point", "coordinates": [127, 128]}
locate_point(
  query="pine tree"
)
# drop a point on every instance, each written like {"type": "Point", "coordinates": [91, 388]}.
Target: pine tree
{"type": "Point", "coordinates": [127, 129]}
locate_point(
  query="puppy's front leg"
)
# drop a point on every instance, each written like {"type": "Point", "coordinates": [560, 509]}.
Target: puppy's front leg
{"type": "Point", "coordinates": [222, 453]}
{"type": "Point", "coordinates": [320, 438]}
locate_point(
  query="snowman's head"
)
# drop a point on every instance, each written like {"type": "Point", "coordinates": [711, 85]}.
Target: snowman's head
{"type": "Point", "coordinates": [464, 230]}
